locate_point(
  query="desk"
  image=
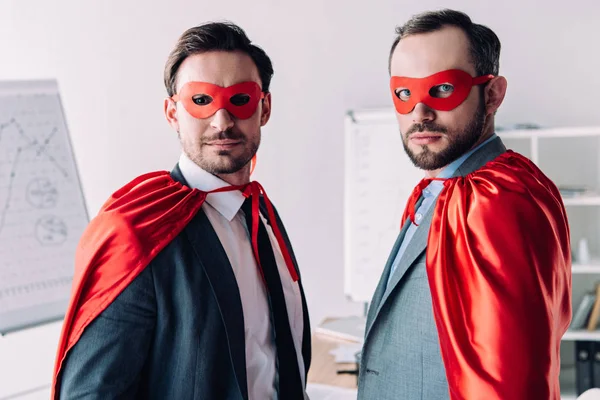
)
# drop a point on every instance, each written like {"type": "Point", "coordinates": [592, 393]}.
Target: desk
{"type": "Point", "coordinates": [323, 368]}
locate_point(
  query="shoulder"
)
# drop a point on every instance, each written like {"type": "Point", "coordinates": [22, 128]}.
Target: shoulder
{"type": "Point", "coordinates": [139, 188]}
{"type": "Point", "coordinates": [508, 176]}
{"type": "Point", "coordinates": [144, 214]}
{"type": "Point", "coordinates": [508, 188]}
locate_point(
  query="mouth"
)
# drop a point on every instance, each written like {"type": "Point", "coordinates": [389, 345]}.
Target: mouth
{"type": "Point", "coordinates": [224, 144]}
{"type": "Point", "coordinates": [424, 138]}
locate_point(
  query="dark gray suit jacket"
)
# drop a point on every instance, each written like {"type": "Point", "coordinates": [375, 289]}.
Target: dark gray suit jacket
{"type": "Point", "coordinates": [176, 332]}
{"type": "Point", "coordinates": [401, 356]}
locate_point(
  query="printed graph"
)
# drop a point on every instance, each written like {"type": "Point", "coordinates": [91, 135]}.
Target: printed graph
{"type": "Point", "coordinates": [42, 211]}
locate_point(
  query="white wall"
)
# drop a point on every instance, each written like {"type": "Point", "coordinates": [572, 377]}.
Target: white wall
{"type": "Point", "coordinates": [328, 56]}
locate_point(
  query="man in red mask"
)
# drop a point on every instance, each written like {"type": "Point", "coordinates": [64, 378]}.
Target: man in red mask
{"type": "Point", "coordinates": [476, 294]}
{"type": "Point", "coordinates": [186, 285]}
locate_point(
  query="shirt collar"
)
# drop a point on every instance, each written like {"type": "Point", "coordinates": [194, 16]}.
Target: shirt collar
{"type": "Point", "coordinates": [433, 189]}
{"type": "Point", "coordinates": [226, 203]}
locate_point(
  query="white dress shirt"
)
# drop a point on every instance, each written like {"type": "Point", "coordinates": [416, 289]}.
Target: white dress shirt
{"type": "Point", "coordinates": [223, 212]}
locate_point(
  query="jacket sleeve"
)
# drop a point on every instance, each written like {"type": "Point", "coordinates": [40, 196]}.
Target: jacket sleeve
{"type": "Point", "coordinates": [107, 360]}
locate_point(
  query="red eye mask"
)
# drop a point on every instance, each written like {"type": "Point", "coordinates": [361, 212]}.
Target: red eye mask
{"type": "Point", "coordinates": [408, 92]}
{"type": "Point", "coordinates": [201, 99]}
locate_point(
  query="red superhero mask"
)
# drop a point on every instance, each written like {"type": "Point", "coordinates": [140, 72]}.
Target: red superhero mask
{"type": "Point", "coordinates": [202, 99]}
{"type": "Point", "coordinates": [443, 91]}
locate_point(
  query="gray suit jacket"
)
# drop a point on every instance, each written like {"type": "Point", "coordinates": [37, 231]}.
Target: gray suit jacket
{"type": "Point", "coordinates": [401, 356]}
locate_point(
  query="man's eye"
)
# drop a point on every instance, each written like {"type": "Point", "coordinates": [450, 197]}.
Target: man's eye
{"type": "Point", "coordinates": [442, 91]}
{"type": "Point", "coordinates": [240, 99]}
{"type": "Point", "coordinates": [202, 99]}
{"type": "Point", "coordinates": [403, 94]}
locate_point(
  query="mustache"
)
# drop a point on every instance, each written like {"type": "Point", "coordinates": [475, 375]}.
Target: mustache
{"type": "Point", "coordinates": [225, 135]}
{"type": "Point", "coordinates": [428, 126]}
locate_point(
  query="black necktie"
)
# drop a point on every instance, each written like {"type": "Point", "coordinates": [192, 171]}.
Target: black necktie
{"type": "Point", "coordinates": [290, 383]}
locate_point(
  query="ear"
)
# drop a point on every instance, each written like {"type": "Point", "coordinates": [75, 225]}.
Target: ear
{"type": "Point", "coordinates": [265, 112]}
{"type": "Point", "coordinates": [494, 94]}
{"type": "Point", "coordinates": [170, 108]}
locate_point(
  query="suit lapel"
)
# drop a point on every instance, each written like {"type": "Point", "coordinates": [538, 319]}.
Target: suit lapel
{"type": "Point", "coordinates": [381, 287]}
{"type": "Point", "coordinates": [415, 248]}
{"type": "Point", "coordinates": [219, 272]}
{"type": "Point", "coordinates": [417, 245]}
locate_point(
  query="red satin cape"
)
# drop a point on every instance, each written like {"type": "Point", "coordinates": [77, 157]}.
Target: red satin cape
{"type": "Point", "coordinates": [499, 269]}
{"type": "Point", "coordinates": [132, 227]}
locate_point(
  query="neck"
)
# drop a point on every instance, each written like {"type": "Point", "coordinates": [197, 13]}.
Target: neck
{"type": "Point", "coordinates": [433, 173]}
{"type": "Point", "coordinates": [238, 178]}
{"type": "Point", "coordinates": [487, 133]}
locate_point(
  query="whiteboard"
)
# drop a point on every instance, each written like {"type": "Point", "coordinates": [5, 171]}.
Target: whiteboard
{"type": "Point", "coordinates": [42, 210]}
{"type": "Point", "coordinates": [379, 178]}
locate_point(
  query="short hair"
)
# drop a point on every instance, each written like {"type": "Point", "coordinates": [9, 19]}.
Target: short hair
{"type": "Point", "coordinates": [215, 36]}
{"type": "Point", "coordinates": [484, 44]}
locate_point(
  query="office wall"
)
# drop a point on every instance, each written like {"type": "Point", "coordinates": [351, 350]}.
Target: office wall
{"type": "Point", "coordinates": [329, 56]}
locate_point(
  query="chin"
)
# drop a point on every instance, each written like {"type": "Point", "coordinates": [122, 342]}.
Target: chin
{"type": "Point", "coordinates": [434, 148]}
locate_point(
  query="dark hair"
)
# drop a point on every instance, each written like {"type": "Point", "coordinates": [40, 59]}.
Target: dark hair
{"type": "Point", "coordinates": [484, 44]}
{"type": "Point", "coordinates": [215, 36]}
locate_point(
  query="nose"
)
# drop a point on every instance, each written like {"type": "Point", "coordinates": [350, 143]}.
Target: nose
{"type": "Point", "coordinates": [222, 120]}
{"type": "Point", "coordinates": [422, 114]}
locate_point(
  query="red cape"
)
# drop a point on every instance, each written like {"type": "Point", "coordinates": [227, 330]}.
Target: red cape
{"type": "Point", "coordinates": [499, 270]}
{"type": "Point", "coordinates": [132, 227]}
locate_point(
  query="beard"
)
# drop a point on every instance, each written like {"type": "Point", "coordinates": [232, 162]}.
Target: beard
{"type": "Point", "coordinates": [458, 142]}
{"type": "Point", "coordinates": [222, 161]}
